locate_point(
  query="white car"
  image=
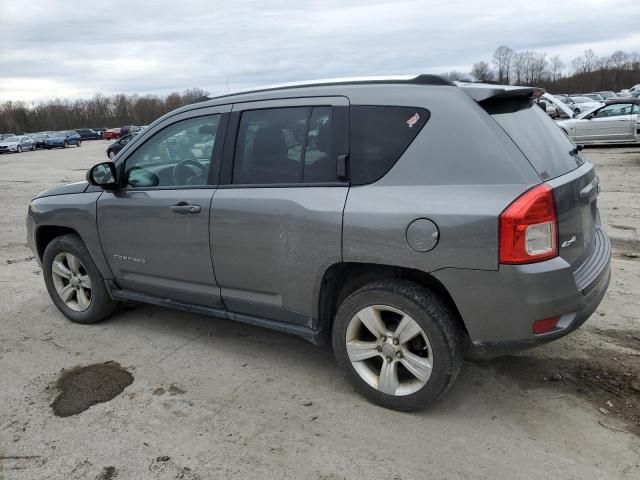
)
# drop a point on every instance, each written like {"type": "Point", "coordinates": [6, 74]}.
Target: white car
{"type": "Point", "coordinates": [615, 122]}
{"type": "Point", "coordinates": [581, 104]}
{"type": "Point", "coordinates": [17, 143]}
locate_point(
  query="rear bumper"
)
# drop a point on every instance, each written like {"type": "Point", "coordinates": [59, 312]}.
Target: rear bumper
{"type": "Point", "coordinates": [499, 308]}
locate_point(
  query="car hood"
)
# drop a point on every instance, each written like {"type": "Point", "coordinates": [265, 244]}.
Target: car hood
{"type": "Point", "coordinates": [66, 189]}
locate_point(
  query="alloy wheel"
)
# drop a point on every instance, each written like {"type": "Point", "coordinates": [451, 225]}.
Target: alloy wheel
{"type": "Point", "coordinates": [71, 281]}
{"type": "Point", "coordinates": [389, 350]}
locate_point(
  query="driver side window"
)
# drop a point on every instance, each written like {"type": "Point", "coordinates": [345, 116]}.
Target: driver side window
{"type": "Point", "coordinates": [177, 156]}
{"type": "Point", "coordinates": [615, 110]}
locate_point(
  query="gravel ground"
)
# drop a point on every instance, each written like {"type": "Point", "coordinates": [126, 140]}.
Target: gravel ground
{"type": "Point", "coordinates": [214, 399]}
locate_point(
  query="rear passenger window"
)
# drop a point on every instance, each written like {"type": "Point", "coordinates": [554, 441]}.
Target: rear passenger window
{"type": "Point", "coordinates": [284, 145]}
{"type": "Point", "coordinates": [378, 136]}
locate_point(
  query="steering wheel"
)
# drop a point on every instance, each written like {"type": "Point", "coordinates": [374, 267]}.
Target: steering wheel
{"type": "Point", "coordinates": [183, 173]}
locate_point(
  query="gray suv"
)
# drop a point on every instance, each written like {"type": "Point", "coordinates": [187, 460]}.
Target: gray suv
{"type": "Point", "coordinates": [409, 221]}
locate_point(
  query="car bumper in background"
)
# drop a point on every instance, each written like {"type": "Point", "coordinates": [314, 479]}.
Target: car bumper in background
{"type": "Point", "coordinates": [499, 308]}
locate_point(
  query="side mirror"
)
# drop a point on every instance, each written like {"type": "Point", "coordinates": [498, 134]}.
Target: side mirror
{"type": "Point", "coordinates": [103, 175]}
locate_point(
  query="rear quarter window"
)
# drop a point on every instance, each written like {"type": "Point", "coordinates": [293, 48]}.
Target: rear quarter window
{"type": "Point", "coordinates": [544, 144]}
{"type": "Point", "coordinates": [378, 136]}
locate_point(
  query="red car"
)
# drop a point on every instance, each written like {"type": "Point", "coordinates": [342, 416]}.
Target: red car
{"type": "Point", "coordinates": [111, 133]}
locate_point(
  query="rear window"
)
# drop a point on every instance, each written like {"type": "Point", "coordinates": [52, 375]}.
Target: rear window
{"type": "Point", "coordinates": [543, 143]}
{"type": "Point", "coordinates": [379, 135]}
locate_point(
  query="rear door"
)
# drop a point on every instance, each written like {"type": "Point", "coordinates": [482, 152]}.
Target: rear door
{"type": "Point", "coordinates": [573, 180]}
{"type": "Point", "coordinates": [276, 222]}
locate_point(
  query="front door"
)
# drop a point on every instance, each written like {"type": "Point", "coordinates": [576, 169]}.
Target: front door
{"type": "Point", "coordinates": [155, 229]}
{"type": "Point", "coordinates": [613, 123]}
{"type": "Point", "coordinates": [277, 214]}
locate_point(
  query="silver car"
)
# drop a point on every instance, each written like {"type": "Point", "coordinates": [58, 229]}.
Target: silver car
{"type": "Point", "coordinates": [17, 144]}
{"type": "Point", "coordinates": [349, 212]}
{"type": "Point", "coordinates": [581, 104]}
{"type": "Point", "coordinates": [616, 122]}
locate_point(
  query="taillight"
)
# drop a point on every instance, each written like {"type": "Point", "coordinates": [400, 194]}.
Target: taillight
{"type": "Point", "coordinates": [529, 227]}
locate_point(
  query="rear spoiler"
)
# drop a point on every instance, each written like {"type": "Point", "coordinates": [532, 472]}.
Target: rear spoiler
{"type": "Point", "coordinates": [481, 92]}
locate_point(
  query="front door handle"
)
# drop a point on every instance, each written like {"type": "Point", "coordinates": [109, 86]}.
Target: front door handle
{"type": "Point", "coordinates": [183, 208]}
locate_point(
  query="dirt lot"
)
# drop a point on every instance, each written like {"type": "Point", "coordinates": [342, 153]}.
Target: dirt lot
{"type": "Point", "coordinates": [214, 399]}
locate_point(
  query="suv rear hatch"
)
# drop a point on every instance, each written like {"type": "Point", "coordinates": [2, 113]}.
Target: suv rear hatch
{"type": "Point", "coordinates": [558, 163]}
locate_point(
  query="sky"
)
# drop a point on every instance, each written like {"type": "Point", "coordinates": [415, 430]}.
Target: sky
{"type": "Point", "coordinates": [75, 49]}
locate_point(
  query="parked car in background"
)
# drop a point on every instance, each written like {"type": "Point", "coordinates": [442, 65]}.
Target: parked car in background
{"type": "Point", "coordinates": [607, 94]}
{"type": "Point", "coordinates": [615, 122]}
{"type": "Point", "coordinates": [562, 110]}
{"type": "Point", "coordinates": [580, 104]}
{"type": "Point", "coordinates": [635, 88]}
{"type": "Point", "coordinates": [39, 138]}
{"type": "Point", "coordinates": [99, 131]}
{"type": "Point", "coordinates": [403, 248]}
{"type": "Point", "coordinates": [87, 134]}
{"type": "Point", "coordinates": [594, 96]}
{"type": "Point", "coordinates": [63, 139]}
{"type": "Point", "coordinates": [111, 133]}
{"type": "Point", "coordinates": [17, 144]}
{"type": "Point", "coordinates": [118, 145]}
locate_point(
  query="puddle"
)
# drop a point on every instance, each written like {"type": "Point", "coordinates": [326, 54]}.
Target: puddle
{"type": "Point", "coordinates": [82, 387]}
{"type": "Point", "coordinates": [608, 380]}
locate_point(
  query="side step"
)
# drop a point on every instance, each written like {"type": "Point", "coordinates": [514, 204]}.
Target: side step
{"type": "Point", "coordinates": [314, 336]}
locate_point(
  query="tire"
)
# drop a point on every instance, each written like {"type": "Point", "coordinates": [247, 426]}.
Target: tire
{"type": "Point", "coordinates": [33, 147]}
{"type": "Point", "coordinates": [66, 144]}
{"type": "Point", "coordinates": [576, 111]}
{"type": "Point", "coordinates": [18, 149]}
{"type": "Point", "coordinates": [100, 304]}
{"type": "Point", "coordinates": [111, 154]}
{"type": "Point", "coordinates": [79, 143]}
{"type": "Point", "coordinates": [438, 343]}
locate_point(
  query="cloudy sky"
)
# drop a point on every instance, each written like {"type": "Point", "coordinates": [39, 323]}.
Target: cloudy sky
{"type": "Point", "coordinates": [52, 48]}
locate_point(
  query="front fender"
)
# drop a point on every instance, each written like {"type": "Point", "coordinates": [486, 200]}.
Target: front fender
{"type": "Point", "coordinates": [75, 212]}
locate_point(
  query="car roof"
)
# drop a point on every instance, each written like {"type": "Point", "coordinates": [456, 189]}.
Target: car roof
{"type": "Point", "coordinates": [622, 100]}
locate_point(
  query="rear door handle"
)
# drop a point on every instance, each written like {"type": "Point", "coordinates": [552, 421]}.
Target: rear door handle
{"type": "Point", "coordinates": [183, 208]}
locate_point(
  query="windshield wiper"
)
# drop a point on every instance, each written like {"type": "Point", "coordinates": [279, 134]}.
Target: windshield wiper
{"type": "Point", "coordinates": [576, 150]}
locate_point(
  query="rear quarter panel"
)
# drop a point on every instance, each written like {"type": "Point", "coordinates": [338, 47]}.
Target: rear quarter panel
{"type": "Point", "coordinates": [460, 172]}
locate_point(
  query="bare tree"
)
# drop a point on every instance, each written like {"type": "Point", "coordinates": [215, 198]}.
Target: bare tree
{"type": "Point", "coordinates": [455, 76]}
{"type": "Point", "coordinates": [556, 65]}
{"type": "Point", "coordinates": [502, 59]}
{"type": "Point", "coordinates": [481, 71]}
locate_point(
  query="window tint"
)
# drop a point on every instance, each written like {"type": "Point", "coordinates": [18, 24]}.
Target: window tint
{"type": "Point", "coordinates": [284, 145]}
{"type": "Point", "coordinates": [378, 136]}
{"type": "Point", "coordinates": [178, 155]}
{"type": "Point", "coordinates": [538, 137]}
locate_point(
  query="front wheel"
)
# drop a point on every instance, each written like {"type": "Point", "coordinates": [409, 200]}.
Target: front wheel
{"type": "Point", "coordinates": [74, 282]}
{"type": "Point", "coordinates": [398, 343]}
{"type": "Point", "coordinates": [33, 147]}
{"type": "Point", "coordinates": [112, 154]}
{"type": "Point", "coordinates": [66, 144]}
{"type": "Point", "coordinates": [79, 143]}
{"type": "Point", "coordinates": [19, 149]}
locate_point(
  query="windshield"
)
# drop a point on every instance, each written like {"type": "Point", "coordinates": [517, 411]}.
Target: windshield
{"type": "Point", "coordinates": [588, 112]}
{"type": "Point", "coordinates": [58, 134]}
{"type": "Point", "coordinates": [11, 138]}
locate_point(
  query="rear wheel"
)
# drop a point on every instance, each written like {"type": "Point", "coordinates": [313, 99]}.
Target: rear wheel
{"type": "Point", "coordinates": [74, 282]}
{"type": "Point", "coordinates": [398, 343]}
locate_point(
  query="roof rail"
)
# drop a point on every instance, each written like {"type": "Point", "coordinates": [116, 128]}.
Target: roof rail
{"type": "Point", "coordinates": [423, 79]}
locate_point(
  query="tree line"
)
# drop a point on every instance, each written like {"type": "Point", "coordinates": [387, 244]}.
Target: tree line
{"type": "Point", "coordinates": [585, 73]}
{"type": "Point", "coordinates": [99, 111]}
